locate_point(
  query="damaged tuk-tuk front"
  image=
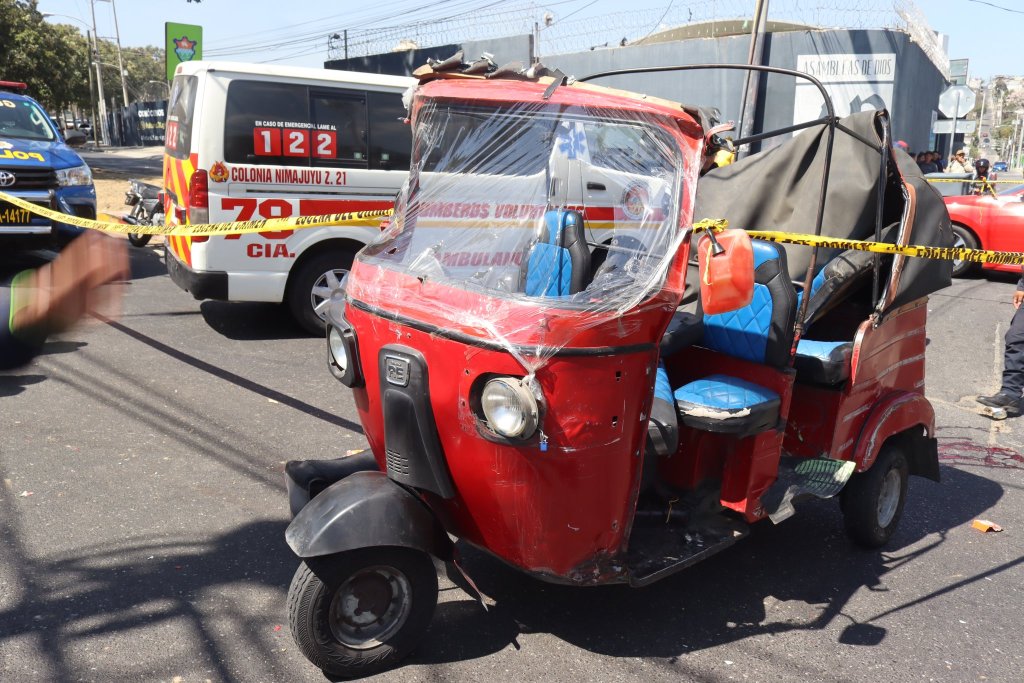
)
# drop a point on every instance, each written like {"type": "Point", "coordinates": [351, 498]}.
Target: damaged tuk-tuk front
{"type": "Point", "coordinates": [536, 376]}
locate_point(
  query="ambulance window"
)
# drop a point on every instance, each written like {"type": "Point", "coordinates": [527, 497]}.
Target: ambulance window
{"type": "Point", "coordinates": [340, 135]}
{"type": "Point", "coordinates": [493, 142]}
{"type": "Point", "coordinates": [390, 136]}
{"type": "Point", "coordinates": [625, 148]}
{"type": "Point", "coordinates": [180, 113]}
{"type": "Point", "coordinates": [267, 123]}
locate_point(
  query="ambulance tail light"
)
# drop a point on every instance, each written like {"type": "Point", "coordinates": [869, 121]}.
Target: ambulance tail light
{"type": "Point", "coordinates": [199, 197]}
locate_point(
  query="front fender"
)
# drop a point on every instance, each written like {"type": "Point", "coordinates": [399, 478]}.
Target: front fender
{"type": "Point", "coordinates": [363, 510]}
{"type": "Point", "coordinates": [894, 414]}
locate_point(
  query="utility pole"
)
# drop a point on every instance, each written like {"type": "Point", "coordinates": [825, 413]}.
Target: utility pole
{"type": "Point", "coordinates": [120, 63]}
{"type": "Point", "coordinates": [981, 116]}
{"type": "Point", "coordinates": [1020, 140]}
{"type": "Point", "coordinates": [99, 78]}
{"type": "Point", "coordinates": [92, 93]}
{"type": "Point", "coordinates": [755, 57]}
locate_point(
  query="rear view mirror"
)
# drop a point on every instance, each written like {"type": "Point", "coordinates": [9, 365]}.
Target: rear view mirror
{"type": "Point", "coordinates": [726, 272]}
{"type": "Point", "coordinates": [75, 138]}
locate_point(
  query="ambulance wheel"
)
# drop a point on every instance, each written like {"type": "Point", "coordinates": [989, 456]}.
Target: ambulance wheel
{"type": "Point", "coordinates": [311, 287]}
{"type": "Point", "coordinates": [962, 237]}
{"type": "Point", "coordinates": [373, 609]}
{"type": "Point", "coordinates": [139, 240]}
{"type": "Point", "coordinates": [872, 501]}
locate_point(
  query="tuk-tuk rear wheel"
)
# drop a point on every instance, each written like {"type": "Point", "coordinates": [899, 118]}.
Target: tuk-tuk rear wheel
{"type": "Point", "coordinates": [872, 502]}
{"type": "Point", "coordinates": [363, 610]}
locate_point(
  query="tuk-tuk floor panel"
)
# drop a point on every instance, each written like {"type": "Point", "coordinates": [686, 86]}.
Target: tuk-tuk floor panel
{"type": "Point", "coordinates": [661, 547]}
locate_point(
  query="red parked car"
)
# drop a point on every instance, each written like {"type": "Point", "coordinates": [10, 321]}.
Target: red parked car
{"type": "Point", "coordinates": [987, 222]}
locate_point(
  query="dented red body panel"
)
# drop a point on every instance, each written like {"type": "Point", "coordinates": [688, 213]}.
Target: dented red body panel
{"type": "Point", "coordinates": [851, 423]}
{"type": "Point", "coordinates": [560, 505]}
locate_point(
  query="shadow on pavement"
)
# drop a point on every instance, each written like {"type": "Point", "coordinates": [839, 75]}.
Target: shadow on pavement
{"type": "Point", "coordinates": [114, 591]}
{"type": "Point", "coordinates": [12, 385]}
{"type": "Point", "coordinates": [806, 562]}
{"type": "Point", "coordinates": [248, 321]}
{"type": "Point", "coordinates": [147, 261]}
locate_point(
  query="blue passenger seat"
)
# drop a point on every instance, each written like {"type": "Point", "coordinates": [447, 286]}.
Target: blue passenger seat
{"type": "Point", "coordinates": [558, 263]}
{"type": "Point", "coordinates": [828, 362]}
{"type": "Point", "coordinates": [760, 332]}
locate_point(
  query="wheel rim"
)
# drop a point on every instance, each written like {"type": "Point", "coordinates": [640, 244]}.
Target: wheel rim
{"type": "Point", "coordinates": [320, 294]}
{"type": "Point", "coordinates": [889, 498]}
{"type": "Point", "coordinates": [370, 607]}
{"type": "Point", "coordinates": [959, 242]}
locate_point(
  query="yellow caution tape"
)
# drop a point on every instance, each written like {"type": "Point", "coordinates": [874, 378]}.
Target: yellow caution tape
{"type": "Point", "coordinates": [974, 181]}
{"type": "Point", "coordinates": [372, 219]}
{"type": "Point", "coordinates": [940, 253]}
{"type": "Point", "coordinates": [353, 218]}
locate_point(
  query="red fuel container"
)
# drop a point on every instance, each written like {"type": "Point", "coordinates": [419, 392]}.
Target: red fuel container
{"type": "Point", "coordinates": [726, 278]}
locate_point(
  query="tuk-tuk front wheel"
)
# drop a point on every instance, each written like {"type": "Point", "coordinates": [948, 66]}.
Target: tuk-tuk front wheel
{"type": "Point", "coordinates": [872, 502]}
{"type": "Point", "coordinates": [364, 610]}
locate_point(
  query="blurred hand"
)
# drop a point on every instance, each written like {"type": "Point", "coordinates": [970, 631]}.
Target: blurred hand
{"type": "Point", "coordinates": [1018, 297]}
{"type": "Point", "coordinates": [72, 285]}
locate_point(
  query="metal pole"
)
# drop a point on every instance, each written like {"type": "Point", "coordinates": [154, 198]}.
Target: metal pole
{"type": "Point", "coordinates": [1020, 142]}
{"type": "Point", "coordinates": [956, 115]}
{"type": "Point", "coordinates": [99, 77]}
{"type": "Point", "coordinates": [981, 116]}
{"type": "Point", "coordinates": [92, 93]}
{"type": "Point", "coordinates": [1008, 145]}
{"type": "Point", "coordinates": [120, 63]}
{"type": "Point", "coordinates": [755, 57]}
{"type": "Point", "coordinates": [346, 43]}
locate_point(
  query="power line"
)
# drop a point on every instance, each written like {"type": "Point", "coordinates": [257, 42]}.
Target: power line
{"type": "Point", "coordinates": [992, 4]}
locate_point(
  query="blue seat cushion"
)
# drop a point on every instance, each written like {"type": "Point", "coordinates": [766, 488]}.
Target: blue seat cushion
{"type": "Point", "coordinates": [823, 362]}
{"type": "Point", "coordinates": [730, 405]}
{"type": "Point", "coordinates": [549, 271]}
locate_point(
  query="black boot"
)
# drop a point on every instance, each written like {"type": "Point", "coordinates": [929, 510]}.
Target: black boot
{"type": "Point", "coordinates": [1001, 400]}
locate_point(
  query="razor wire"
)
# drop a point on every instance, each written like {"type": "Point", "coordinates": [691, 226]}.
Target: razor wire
{"type": "Point", "coordinates": [676, 20]}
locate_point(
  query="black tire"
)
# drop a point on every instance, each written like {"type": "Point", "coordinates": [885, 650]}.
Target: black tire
{"type": "Point", "coordinates": [404, 578]}
{"type": "Point", "coordinates": [964, 238]}
{"type": "Point", "coordinates": [139, 240]}
{"type": "Point", "coordinates": [312, 273]}
{"type": "Point", "coordinates": [872, 502]}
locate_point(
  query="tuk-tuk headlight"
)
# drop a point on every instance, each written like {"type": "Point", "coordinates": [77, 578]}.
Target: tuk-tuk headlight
{"type": "Point", "coordinates": [336, 344]}
{"type": "Point", "coordinates": [509, 407]}
{"type": "Point", "coordinates": [343, 353]}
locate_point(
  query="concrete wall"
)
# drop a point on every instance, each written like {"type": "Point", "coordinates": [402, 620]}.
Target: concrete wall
{"type": "Point", "coordinates": [910, 94]}
{"type": "Point", "coordinates": [908, 85]}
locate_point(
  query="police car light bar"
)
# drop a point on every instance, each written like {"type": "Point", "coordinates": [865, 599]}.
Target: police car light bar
{"type": "Point", "coordinates": [13, 85]}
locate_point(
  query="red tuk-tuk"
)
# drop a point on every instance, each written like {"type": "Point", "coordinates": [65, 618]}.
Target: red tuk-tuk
{"type": "Point", "coordinates": [536, 378]}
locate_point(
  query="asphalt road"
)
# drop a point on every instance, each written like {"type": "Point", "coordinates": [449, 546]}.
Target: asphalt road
{"type": "Point", "coordinates": [142, 516]}
{"type": "Point", "coordinates": [136, 161]}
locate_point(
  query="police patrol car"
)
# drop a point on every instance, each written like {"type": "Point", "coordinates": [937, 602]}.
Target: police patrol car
{"type": "Point", "coordinates": [36, 164]}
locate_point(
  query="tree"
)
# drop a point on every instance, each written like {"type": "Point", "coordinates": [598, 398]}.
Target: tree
{"type": "Point", "coordinates": [54, 59]}
{"type": "Point", "coordinates": [51, 59]}
{"type": "Point", "coordinates": [143, 64]}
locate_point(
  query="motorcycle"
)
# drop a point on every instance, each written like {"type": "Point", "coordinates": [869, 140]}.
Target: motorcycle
{"type": "Point", "coordinates": [147, 202]}
{"type": "Point", "coordinates": [537, 377]}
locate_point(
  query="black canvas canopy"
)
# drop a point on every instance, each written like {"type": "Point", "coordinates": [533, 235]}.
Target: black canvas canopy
{"type": "Point", "coordinates": [780, 189]}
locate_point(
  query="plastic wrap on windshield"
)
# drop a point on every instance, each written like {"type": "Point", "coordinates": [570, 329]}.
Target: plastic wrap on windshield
{"type": "Point", "coordinates": [519, 214]}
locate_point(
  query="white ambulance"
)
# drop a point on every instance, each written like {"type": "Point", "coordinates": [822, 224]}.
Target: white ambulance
{"type": "Point", "coordinates": [249, 141]}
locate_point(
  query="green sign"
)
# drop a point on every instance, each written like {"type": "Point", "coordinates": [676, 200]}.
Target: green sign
{"type": "Point", "coordinates": [184, 43]}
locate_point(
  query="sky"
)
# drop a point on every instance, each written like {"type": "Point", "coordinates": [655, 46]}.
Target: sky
{"type": "Point", "coordinates": [296, 32]}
